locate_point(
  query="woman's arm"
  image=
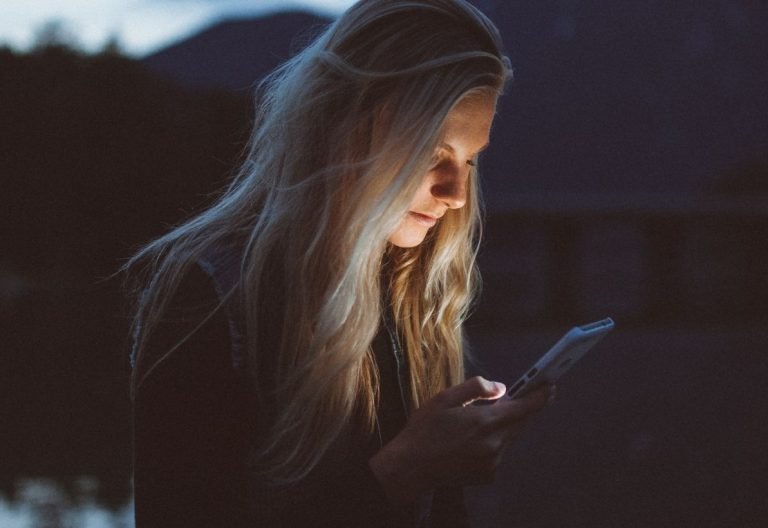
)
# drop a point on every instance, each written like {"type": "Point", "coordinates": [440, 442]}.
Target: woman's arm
{"type": "Point", "coordinates": [192, 426]}
{"type": "Point", "coordinates": [189, 433]}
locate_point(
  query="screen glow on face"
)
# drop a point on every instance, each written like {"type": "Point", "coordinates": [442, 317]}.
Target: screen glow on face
{"type": "Point", "coordinates": [465, 133]}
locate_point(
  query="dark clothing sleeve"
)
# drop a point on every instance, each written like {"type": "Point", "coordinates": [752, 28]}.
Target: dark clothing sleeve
{"type": "Point", "coordinates": [187, 434]}
{"type": "Point", "coordinates": [449, 509]}
{"type": "Point", "coordinates": [192, 429]}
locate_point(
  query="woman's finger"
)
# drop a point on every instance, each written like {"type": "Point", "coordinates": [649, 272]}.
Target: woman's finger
{"type": "Point", "coordinates": [509, 412]}
{"type": "Point", "coordinates": [476, 388]}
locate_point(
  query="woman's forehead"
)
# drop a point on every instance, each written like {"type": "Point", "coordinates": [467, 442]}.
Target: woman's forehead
{"type": "Point", "coordinates": [468, 125]}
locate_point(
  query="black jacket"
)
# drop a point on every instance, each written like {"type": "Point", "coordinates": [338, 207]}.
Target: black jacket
{"type": "Point", "coordinates": [193, 424]}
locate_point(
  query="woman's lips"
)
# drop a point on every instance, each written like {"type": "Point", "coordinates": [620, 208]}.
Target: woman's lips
{"type": "Point", "coordinates": [422, 219]}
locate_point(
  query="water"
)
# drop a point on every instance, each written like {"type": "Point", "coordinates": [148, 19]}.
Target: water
{"type": "Point", "coordinates": [47, 503]}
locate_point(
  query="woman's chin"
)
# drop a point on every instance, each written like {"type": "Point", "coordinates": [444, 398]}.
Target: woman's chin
{"type": "Point", "coordinates": [408, 237]}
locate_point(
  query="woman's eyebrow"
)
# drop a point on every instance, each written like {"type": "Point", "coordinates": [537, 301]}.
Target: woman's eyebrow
{"type": "Point", "coordinates": [450, 149]}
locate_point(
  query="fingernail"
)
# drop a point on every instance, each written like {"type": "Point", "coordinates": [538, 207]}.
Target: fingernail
{"type": "Point", "coordinates": [499, 386]}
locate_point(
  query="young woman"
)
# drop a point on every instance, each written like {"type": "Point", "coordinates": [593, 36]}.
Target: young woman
{"type": "Point", "coordinates": [298, 353]}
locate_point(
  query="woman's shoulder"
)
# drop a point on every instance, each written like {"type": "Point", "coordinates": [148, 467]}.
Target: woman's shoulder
{"type": "Point", "coordinates": [195, 296]}
{"type": "Point", "coordinates": [222, 262]}
{"type": "Point", "coordinates": [192, 310]}
{"type": "Point", "coordinates": [199, 314]}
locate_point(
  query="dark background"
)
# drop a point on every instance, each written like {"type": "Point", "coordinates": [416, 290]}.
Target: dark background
{"type": "Point", "coordinates": [628, 176]}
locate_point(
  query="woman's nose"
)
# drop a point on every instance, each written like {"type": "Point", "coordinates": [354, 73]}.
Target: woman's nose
{"type": "Point", "coordinates": [451, 187]}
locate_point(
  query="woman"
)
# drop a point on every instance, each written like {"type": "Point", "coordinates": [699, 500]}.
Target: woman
{"type": "Point", "coordinates": [298, 346]}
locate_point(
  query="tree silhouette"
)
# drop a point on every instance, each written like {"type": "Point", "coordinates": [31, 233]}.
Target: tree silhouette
{"type": "Point", "coordinates": [98, 156]}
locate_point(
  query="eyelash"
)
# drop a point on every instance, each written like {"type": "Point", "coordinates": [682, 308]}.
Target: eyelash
{"type": "Point", "coordinates": [436, 159]}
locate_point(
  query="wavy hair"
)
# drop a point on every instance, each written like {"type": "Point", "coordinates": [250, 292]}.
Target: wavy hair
{"type": "Point", "coordinates": [344, 133]}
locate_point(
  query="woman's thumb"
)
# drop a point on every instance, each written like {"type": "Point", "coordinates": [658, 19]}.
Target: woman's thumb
{"type": "Point", "coordinates": [477, 388]}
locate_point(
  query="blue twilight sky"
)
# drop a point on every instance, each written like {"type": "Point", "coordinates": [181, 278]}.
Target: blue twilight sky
{"type": "Point", "coordinates": [141, 26]}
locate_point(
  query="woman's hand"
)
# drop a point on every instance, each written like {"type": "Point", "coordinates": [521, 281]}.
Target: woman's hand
{"type": "Point", "coordinates": [449, 441]}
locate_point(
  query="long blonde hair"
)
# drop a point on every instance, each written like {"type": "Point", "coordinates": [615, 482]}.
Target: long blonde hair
{"type": "Point", "coordinates": [344, 133]}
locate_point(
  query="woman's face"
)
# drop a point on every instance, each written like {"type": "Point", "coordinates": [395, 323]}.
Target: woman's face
{"type": "Point", "coordinates": [465, 133]}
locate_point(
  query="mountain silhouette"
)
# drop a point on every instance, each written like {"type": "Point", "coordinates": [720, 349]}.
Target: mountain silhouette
{"type": "Point", "coordinates": [616, 96]}
{"type": "Point", "coordinates": [234, 54]}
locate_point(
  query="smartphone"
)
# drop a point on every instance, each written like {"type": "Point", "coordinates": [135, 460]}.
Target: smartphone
{"type": "Point", "coordinates": [558, 359]}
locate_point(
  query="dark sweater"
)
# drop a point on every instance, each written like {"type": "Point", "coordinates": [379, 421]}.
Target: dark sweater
{"type": "Point", "coordinates": [193, 424]}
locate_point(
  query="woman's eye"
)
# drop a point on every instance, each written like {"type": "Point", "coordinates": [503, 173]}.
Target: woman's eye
{"type": "Point", "coordinates": [435, 161]}
{"type": "Point", "coordinates": [472, 162]}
